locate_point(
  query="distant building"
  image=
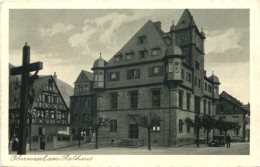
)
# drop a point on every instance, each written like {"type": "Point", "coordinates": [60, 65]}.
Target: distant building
{"type": "Point", "coordinates": [83, 105]}
{"type": "Point", "coordinates": [231, 109]}
{"type": "Point", "coordinates": [48, 114]}
{"type": "Point", "coordinates": [160, 73]}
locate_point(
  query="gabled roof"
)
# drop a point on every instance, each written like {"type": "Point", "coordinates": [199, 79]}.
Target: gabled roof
{"type": "Point", "coordinates": [15, 84]}
{"type": "Point", "coordinates": [66, 91]}
{"type": "Point", "coordinates": [84, 76]}
{"type": "Point", "coordinates": [186, 20]}
{"type": "Point", "coordinates": [150, 30]}
{"type": "Point", "coordinates": [89, 75]}
{"type": "Point", "coordinates": [246, 107]}
{"type": "Point", "coordinates": [15, 88]}
{"type": "Point", "coordinates": [231, 98]}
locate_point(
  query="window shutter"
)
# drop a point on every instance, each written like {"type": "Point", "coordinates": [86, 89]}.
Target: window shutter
{"type": "Point", "coordinates": [108, 76]}
{"type": "Point", "coordinates": [128, 74]}
{"type": "Point", "coordinates": [117, 76]}
{"type": "Point", "coordinates": [160, 70]}
{"type": "Point", "coordinates": [137, 73]}
{"type": "Point", "coordinates": [150, 72]}
{"type": "Point", "coordinates": [111, 125]}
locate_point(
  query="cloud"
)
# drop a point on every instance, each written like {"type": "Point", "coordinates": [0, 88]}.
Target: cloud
{"type": "Point", "coordinates": [220, 41]}
{"type": "Point", "coordinates": [48, 59]}
{"type": "Point", "coordinates": [102, 31]}
{"type": "Point", "coordinates": [57, 28]}
{"type": "Point", "coordinates": [234, 78]}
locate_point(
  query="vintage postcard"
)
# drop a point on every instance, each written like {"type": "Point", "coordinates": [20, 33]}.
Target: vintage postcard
{"type": "Point", "coordinates": [129, 83]}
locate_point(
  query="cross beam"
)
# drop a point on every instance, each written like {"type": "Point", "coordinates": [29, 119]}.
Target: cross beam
{"type": "Point", "coordinates": [31, 67]}
{"type": "Point", "coordinates": [24, 70]}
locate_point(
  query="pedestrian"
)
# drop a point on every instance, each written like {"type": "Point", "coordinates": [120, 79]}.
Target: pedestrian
{"type": "Point", "coordinates": [228, 140]}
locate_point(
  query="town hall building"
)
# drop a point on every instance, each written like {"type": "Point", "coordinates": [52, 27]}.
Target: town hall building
{"type": "Point", "coordinates": [160, 73]}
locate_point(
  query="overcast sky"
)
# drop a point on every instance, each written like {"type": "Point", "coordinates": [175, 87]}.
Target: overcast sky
{"type": "Point", "coordinates": [68, 41]}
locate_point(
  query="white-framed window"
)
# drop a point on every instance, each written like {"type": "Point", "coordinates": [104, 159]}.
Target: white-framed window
{"type": "Point", "coordinates": [142, 54]}
{"type": "Point", "coordinates": [156, 128]}
{"type": "Point", "coordinates": [155, 70]}
{"type": "Point", "coordinates": [156, 52]}
{"type": "Point", "coordinates": [113, 76]}
{"type": "Point", "coordinates": [133, 74]}
{"type": "Point", "coordinates": [128, 56]}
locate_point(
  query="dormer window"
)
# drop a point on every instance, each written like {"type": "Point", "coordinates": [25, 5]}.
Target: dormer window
{"type": "Point", "coordinates": [142, 54]}
{"type": "Point", "coordinates": [118, 58]}
{"type": "Point", "coordinates": [156, 51]}
{"type": "Point", "coordinates": [129, 56]}
{"type": "Point", "coordinates": [141, 40]}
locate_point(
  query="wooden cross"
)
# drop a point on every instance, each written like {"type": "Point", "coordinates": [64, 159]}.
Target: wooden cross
{"type": "Point", "coordinates": [24, 70]}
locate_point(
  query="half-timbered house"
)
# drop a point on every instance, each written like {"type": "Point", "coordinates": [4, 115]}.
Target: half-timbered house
{"type": "Point", "coordinates": [48, 113]}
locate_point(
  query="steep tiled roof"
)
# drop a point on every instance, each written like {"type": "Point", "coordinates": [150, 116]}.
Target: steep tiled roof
{"type": "Point", "coordinates": [66, 91]}
{"type": "Point", "coordinates": [185, 20]}
{"type": "Point", "coordinates": [89, 75]}
{"type": "Point", "coordinates": [149, 31]}
{"type": "Point", "coordinates": [231, 98]}
{"type": "Point", "coordinates": [15, 84]}
{"type": "Point", "coordinates": [15, 88]}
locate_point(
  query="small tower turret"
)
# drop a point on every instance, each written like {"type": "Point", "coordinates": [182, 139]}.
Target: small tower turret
{"type": "Point", "coordinates": [174, 56]}
{"type": "Point", "coordinates": [216, 84]}
{"type": "Point", "coordinates": [99, 73]}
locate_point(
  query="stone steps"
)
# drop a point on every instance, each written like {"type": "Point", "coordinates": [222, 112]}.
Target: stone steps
{"type": "Point", "coordinates": [131, 143]}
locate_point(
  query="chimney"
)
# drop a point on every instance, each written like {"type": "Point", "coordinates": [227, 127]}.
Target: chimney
{"type": "Point", "coordinates": [55, 77]}
{"type": "Point", "coordinates": [158, 24]}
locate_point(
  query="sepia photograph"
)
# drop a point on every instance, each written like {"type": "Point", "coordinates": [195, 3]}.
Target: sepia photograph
{"type": "Point", "coordinates": [128, 82]}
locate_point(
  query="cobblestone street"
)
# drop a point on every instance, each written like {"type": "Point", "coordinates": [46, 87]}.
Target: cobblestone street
{"type": "Point", "coordinates": [89, 149]}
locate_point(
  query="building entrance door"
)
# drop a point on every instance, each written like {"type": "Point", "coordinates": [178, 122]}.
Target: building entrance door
{"type": "Point", "coordinates": [134, 131]}
{"type": "Point", "coordinates": [42, 138]}
{"type": "Point", "coordinates": [42, 142]}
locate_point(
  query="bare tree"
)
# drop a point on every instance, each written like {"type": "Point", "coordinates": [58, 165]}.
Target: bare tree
{"type": "Point", "coordinates": [208, 123]}
{"type": "Point", "coordinates": [96, 123]}
{"type": "Point", "coordinates": [222, 125]}
{"type": "Point", "coordinates": [148, 122]}
{"type": "Point", "coordinates": [197, 124]}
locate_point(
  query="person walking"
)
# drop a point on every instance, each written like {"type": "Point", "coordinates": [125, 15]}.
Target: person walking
{"type": "Point", "coordinates": [228, 140]}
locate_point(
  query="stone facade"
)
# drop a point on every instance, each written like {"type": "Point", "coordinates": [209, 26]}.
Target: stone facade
{"type": "Point", "coordinates": [83, 105]}
{"type": "Point", "coordinates": [165, 70]}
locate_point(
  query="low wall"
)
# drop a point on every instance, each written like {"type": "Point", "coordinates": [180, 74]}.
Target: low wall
{"type": "Point", "coordinates": [55, 142]}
